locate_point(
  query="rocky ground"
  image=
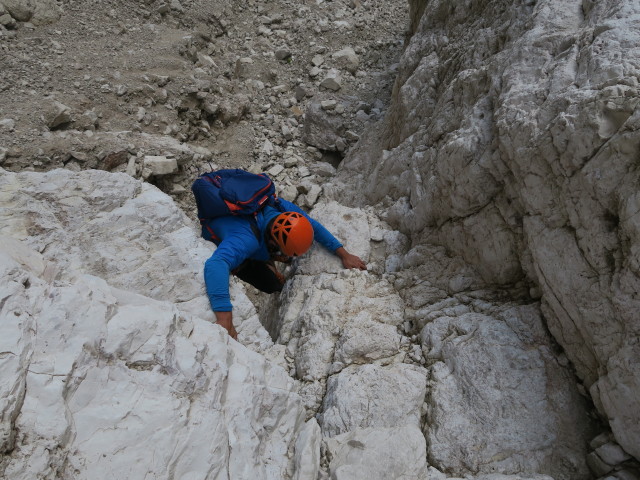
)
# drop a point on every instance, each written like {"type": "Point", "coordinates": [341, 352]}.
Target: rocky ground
{"type": "Point", "coordinates": [163, 90]}
{"type": "Point", "coordinates": [436, 363]}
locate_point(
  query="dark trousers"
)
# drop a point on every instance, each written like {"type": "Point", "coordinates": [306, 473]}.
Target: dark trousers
{"type": "Point", "coordinates": [259, 275]}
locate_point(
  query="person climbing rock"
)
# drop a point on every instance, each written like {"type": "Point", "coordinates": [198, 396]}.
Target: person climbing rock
{"type": "Point", "coordinates": [248, 246]}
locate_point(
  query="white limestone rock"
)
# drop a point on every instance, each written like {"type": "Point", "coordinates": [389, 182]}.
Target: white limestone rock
{"type": "Point", "coordinates": [347, 59]}
{"type": "Point", "coordinates": [113, 226]}
{"type": "Point", "coordinates": [499, 401]}
{"type": "Point", "coordinates": [521, 158]}
{"type": "Point", "coordinates": [322, 130]}
{"type": "Point", "coordinates": [57, 115]}
{"type": "Point", "coordinates": [316, 309]}
{"type": "Point", "coordinates": [332, 80]}
{"type": "Point", "coordinates": [323, 169]}
{"type": "Point", "coordinates": [307, 452]}
{"type": "Point", "coordinates": [349, 225]}
{"type": "Point", "coordinates": [105, 383]}
{"type": "Point", "coordinates": [108, 225]}
{"type": "Point", "coordinates": [363, 340]}
{"type": "Point", "coordinates": [378, 454]}
{"type": "Point", "coordinates": [158, 165]}
{"type": "Point", "coordinates": [373, 396]}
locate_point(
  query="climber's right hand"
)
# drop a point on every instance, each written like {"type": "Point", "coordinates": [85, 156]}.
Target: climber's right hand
{"type": "Point", "coordinates": [225, 319]}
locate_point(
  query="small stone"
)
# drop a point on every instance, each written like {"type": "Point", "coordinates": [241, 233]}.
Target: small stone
{"type": "Point", "coordinates": [317, 60]}
{"type": "Point", "coordinates": [597, 465]}
{"type": "Point", "coordinates": [332, 81]}
{"type": "Point", "coordinates": [211, 108]}
{"type": "Point", "coordinates": [267, 147]}
{"type": "Point", "coordinates": [80, 156]}
{"type": "Point", "coordinates": [600, 440]}
{"type": "Point", "coordinates": [341, 145]}
{"type": "Point", "coordinates": [289, 192]}
{"type": "Point", "coordinates": [121, 90]}
{"type": "Point", "coordinates": [7, 124]}
{"type": "Point", "coordinates": [87, 121]}
{"type": "Point", "coordinates": [131, 167]}
{"type": "Point", "coordinates": [141, 113]}
{"type": "Point", "coordinates": [362, 116]}
{"type": "Point", "coordinates": [324, 169]}
{"type": "Point", "coordinates": [275, 170]}
{"type": "Point", "coordinates": [159, 165]}
{"type": "Point", "coordinates": [314, 72]}
{"type": "Point", "coordinates": [313, 195]}
{"type": "Point", "coordinates": [287, 133]}
{"type": "Point", "coordinates": [7, 21]}
{"type": "Point", "coordinates": [328, 104]}
{"type": "Point", "coordinates": [58, 115]}
{"type": "Point", "coordinates": [161, 80]}
{"type": "Point", "coordinates": [347, 59]}
{"type": "Point", "coordinates": [291, 161]}
{"type": "Point", "coordinates": [114, 160]}
{"type": "Point", "coordinates": [303, 171]}
{"type": "Point", "coordinates": [612, 453]}
{"type": "Point", "coordinates": [278, 89]}
{"type": "Point", "coordinates": [283, 54]}
{"type": "Point", "coordinates": [351, 136]}
{"type": "Point", "coordinates": [206, 61]}
{"type": "Point", "coordinates": [300, 93]}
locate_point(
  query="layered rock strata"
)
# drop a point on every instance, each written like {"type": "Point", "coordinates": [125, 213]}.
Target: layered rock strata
{"type": "Point", "coordinates": [512, 141]}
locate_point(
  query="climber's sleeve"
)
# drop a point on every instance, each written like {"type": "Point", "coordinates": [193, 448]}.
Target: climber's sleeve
{"type": "Point", "coordinates": [231, 252]}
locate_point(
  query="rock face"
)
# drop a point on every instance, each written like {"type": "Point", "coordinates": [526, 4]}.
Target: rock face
{"type": "Point", "coordinates": [492, 378]}
{"type": "Point", "coordinates": [512, 141]}
{"type": "Point", "coordinates": [495, 206]}
{"type": "Point", "coordinates": [102, 382]}
{"type": "Point", "coordinates": [485, 377]}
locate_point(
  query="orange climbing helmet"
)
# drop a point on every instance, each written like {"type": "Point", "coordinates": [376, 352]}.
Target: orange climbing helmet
{"type": "Point", "coordinates": [293, 233]}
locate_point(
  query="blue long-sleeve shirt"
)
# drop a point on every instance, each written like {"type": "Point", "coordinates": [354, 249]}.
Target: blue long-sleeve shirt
{"type": "Point", "coordinates": [238, 242]}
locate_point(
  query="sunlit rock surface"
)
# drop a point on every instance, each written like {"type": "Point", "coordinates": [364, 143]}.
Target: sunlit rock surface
{"type": "Point", "coordinates": [103, 382]}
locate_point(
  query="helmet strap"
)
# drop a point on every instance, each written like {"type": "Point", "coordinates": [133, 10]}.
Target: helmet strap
{"type": "Point", "coordinates": [269, 241]}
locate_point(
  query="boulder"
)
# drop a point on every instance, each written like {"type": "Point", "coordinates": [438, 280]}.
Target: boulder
{"type": "Point", "coordinates": [321, 129]}
{"type": "Point", "coordinates": [332, 81]}
{"type": "Point", "coordinates": [499, 399]}
{"type": "Point", "coordinates": [57, 115]}
{"type": "Point", "coordinates": [347, 59]}
{"type": "Point", "coordinates": [517, 158]}
{"type": "Point", "coordinates": [378, 454]}
{"type": "Point", "coordinates": [373, 396]}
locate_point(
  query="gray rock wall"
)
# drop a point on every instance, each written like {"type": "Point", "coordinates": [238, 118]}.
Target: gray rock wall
{"type": "Point", "coordinates": [513, 142]}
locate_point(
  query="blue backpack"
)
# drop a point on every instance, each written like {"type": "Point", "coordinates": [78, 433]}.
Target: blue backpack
{"type": "Point", "coordinates": [231, 192]}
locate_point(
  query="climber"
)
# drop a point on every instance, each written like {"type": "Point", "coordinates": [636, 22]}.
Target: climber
{"type": "Point", "coordinates": [248, 248]}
